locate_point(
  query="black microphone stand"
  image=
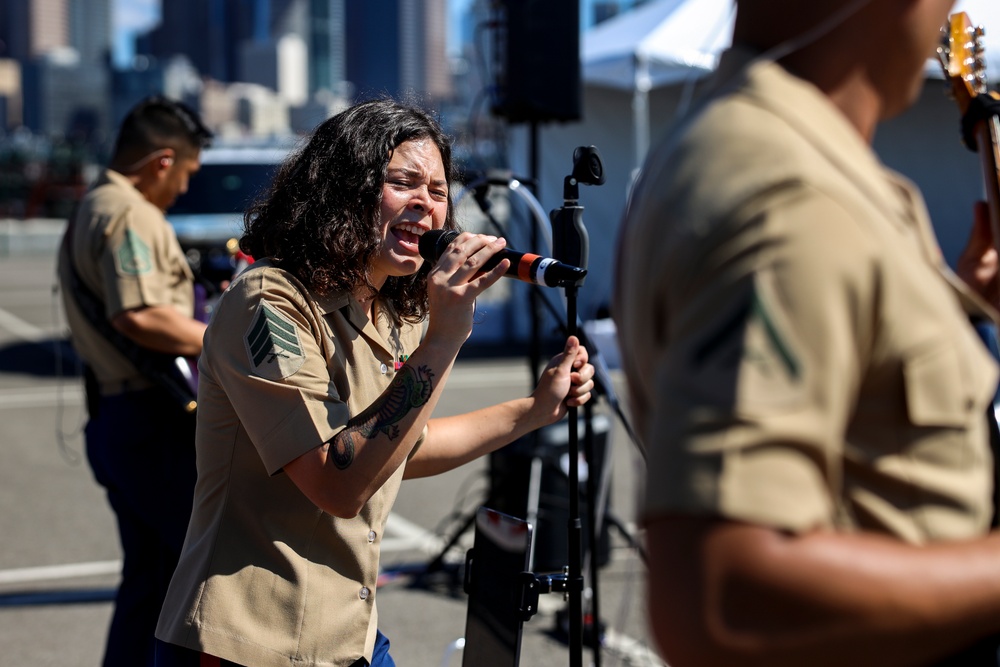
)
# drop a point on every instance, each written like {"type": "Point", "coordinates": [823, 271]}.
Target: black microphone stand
{"type": "Point", "coordinates": [571, 584]}
{"type": "Point", "coordinates": [570, 244]}
{"type": "Point", "coordinates": [574, 574]}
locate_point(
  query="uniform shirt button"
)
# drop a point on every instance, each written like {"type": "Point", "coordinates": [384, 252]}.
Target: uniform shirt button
{"type": "Point", "coordinates": [371, 535]}
{"type": "Point", "coordinates": [384, 369]}
{"type": "Point", "coordinates": [364, 593]}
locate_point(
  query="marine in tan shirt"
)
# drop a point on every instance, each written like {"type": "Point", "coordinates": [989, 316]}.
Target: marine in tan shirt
{"type": "Point", "coordinates": [120, 249]}
{"type": "Point", "coordinates": [802, 367]}
{"type": "Point", "coordinates": [304, 366]}
{"type": "Point", "coordinates": [317, 387]}
{"type": "Point", "coordinates": [125, 252]}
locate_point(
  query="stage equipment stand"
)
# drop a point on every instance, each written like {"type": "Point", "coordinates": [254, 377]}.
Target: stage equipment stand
{"type": "Point", "coordinates": [570, 244]}
{"type": "Point", "coordinates": [574, 573]}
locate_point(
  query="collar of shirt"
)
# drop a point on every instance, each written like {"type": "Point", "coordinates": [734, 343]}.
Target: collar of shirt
{"type": "Point", "coordinates": [379, 333]}
{"type": "Point", "coordinates": [806, 108]}
{"type": "Point", "coordinates": [120, 180]}
{"type": "Point", "coordinates": [801, 105]}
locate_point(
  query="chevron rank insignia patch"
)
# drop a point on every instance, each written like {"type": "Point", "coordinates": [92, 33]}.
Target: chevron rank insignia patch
{"type": "Point", "coordinates": [133, 256]}
{"type": "Point", "coordinates": [272, 344]}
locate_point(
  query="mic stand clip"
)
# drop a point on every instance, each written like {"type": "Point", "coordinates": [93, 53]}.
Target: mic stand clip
{"type": "Point", "coordinates": [533, 586]}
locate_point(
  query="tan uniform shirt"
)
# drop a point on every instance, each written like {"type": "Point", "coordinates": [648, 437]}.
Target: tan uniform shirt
{"type": "Point", "coordinates": [127, 253]}
{"type": "Point", "coordinates": [798, 354]}
{"type": "Point", "coordinates": [266, 578]}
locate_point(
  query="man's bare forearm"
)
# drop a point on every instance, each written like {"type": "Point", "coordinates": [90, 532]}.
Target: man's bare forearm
{"type": "Point", "coordinates": [724, 593]}
{"type": "Point", "coordinates": [163, 329]}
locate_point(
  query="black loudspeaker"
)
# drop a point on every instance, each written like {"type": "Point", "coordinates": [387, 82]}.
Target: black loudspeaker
{"type": "Point", "coordinates": [510, 489]}
{"type": "Point", "coordinates": [538, 61]}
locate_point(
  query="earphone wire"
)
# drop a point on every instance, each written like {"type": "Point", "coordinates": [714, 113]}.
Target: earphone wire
{"type": "Point", "coordinates": [827, 26]}
{"type": "Point", "coordinates": [135, 166]}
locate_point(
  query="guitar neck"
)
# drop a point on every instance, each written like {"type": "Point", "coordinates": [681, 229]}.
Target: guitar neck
{"type": "Point", "coordinates": [988, 137]}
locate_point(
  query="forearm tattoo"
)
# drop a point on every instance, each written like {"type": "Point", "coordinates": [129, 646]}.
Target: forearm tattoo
{"type": "Point", "coordinates": [410, 389]}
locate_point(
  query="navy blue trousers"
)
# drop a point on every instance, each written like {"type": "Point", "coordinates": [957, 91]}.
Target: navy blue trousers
{"type": "Point", "coordinates": [140, 446]}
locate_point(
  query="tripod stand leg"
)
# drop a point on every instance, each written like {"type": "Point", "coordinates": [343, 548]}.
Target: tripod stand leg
{"type": "Point", "coordinates": [534, 498]}
{"type": "Point", "coordinates": [437, 563]}
{"type": "Point", "coordinates": [631, 539]}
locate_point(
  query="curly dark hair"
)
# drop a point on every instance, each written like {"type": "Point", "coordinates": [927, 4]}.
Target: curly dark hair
{"type": "Point", "coordinates": [320, 218]}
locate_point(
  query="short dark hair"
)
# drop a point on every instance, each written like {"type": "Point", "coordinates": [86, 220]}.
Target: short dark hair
{"type": "Point", "coordinates": [320, 218]}
{"type": "Point", "coordinates": [158, 122]}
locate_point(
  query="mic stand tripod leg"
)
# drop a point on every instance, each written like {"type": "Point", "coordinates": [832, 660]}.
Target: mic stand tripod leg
{"type": "Point", "coordinates": [632, 541]}
{"type": "Point", "coordinates": [437, 563]}
{"type": "Point", "coordinates": [534, 499]}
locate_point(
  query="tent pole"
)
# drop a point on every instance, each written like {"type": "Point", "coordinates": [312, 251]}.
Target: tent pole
{"type": "Point", "coordinates": [640, 110]}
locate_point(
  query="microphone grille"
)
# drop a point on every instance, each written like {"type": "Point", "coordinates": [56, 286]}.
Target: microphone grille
{"type": "Point", "coordinates": [433, 243]}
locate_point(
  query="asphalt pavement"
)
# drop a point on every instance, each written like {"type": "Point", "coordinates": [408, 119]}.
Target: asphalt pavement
{"type": "Point", "coordinates": [59, 551]}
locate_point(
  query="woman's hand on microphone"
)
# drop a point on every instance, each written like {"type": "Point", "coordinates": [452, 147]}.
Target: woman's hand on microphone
{"type": "Point", "coordinates": [456, 280]}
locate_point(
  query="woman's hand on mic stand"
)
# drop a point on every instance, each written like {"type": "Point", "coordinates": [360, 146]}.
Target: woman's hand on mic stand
{"type": "Point", "coordinates": [566, 382]}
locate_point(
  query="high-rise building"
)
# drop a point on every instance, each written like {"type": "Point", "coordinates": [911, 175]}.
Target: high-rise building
{"type": "Point", "coordinates": [65, 98]}
{"type": "Point", "coordinates": [61, 47]}
{"type": "Point", "coordinates": [255, 41]}
{"type": "Point", "coordinates": [10, 93]}
{"type": "Point", "coordinates": [90, 30]}
{"type": "Point", "coordinates": [32, 28]}
{"type": "Point", "coordinates": [48, 25]}
{"type": "Point", "coordinates": [398, 47]}
{"type": "Point", "coordinates": [436, 77]}
{"type": "Point", "coordinates": [202, 31]}
{"type": "Point", "coordinates": [327, 69]}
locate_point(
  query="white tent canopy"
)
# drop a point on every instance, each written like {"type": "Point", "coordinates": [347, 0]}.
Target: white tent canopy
{"type": "Point", "coordinates": [657, 44]}
{"type": "Point", "coordinates": [661, 43]}
{"type": "Point", "coordinates": [666, 42]}
{"type": "Point", "coordinates": [677, 38]}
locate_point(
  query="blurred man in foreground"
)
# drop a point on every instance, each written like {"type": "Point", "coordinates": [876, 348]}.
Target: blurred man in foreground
{"type": "Point", "coordinates": [802, 365]}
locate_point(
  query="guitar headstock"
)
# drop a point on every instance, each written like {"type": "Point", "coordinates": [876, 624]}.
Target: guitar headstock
{"type": "Point", "coordinates": [962, 56]}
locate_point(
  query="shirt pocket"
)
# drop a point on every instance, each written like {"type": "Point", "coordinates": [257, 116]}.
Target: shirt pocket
{"type": "Point", "coordinates": [936, 394]}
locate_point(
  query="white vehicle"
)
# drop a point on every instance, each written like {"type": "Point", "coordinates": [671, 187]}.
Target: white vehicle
{"type": "Point", "coordinates": [208, 218]}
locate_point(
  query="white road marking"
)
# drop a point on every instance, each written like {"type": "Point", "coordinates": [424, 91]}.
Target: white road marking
{"type": "Point", "coordinates": [71, 393]}
{"type": "Point", "coordinates": [632, 652]}
{"type": "Point", "coordinates": [20, 328]}
{"type": "Point", "coordinates": [401, 535]}
{"type": "Point", "coordinates": [27, 575]}
{"type": "Point", "coordinates": [404, 535]}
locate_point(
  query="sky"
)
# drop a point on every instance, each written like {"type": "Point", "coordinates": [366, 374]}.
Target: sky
{"type": "Point", "coordinates": [132, 17]}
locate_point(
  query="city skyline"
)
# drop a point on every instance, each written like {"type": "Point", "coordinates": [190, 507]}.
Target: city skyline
{"type": "Point", "coordinates": [131, 18]}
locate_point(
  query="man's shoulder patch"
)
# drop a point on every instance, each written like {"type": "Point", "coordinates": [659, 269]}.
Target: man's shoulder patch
{"type": "Point", "coordinates": [272, 344]}
{"type": "Point", "coordinates": [133, 255]}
